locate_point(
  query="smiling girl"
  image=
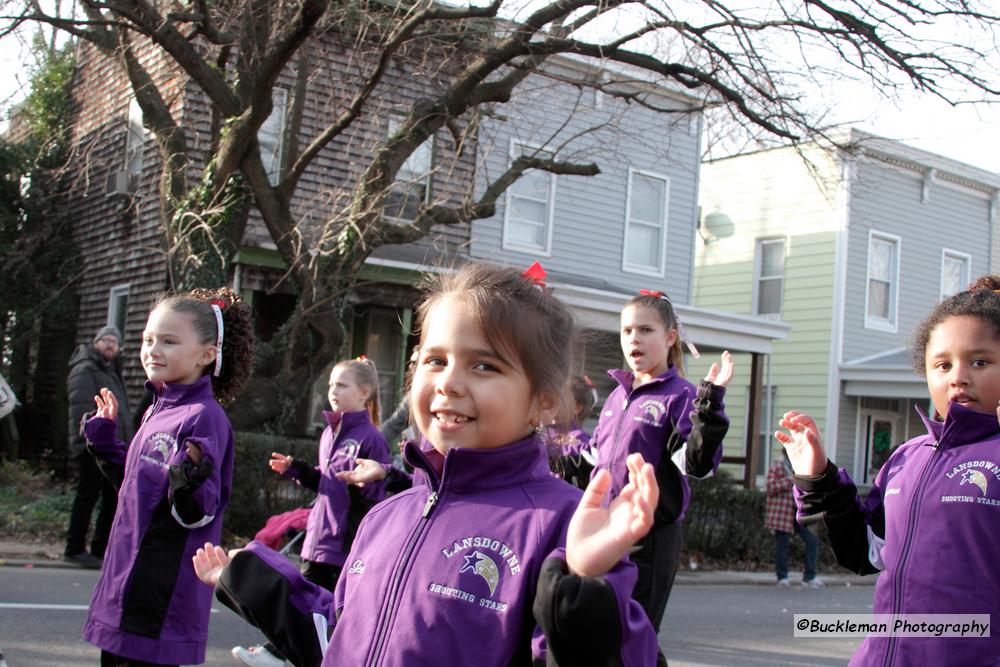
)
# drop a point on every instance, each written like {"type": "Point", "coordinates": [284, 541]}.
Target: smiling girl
{"type": "Point", "coordinates": [148, 607]}
{"type": "Point", "coordinates": [489, 561]}
{"type": "Point", "coordinates": [929, 521]}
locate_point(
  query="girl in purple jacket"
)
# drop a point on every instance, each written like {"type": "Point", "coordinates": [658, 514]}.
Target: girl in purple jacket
{"type": "Point", "coordinates": [148, 608]}
{"type": "Point", "coordinates": [677, 427]}
{"type": "Point", "coordinates": [489, 561]}
{"type": "Point", "coordinates": [351, 432]}
{"type": "Point", "coordinates": [929, 521]}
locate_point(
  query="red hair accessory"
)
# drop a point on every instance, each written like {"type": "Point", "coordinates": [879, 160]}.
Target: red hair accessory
{"type": "Point", "coordinates": [362, 357]}
{"type": "Point", "coordinates": [217, 302]}
{"type": "Point", "coordinates": [652, 292]}
{"type": "Point", "coordinates": [536, 274]}
{"type": "Point", "coordinates": [589, 382]}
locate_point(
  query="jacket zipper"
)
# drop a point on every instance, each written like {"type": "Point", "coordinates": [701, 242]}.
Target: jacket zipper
{"type": "Point", "coordinates": [613, 458]}
{"type": "Point", "coordinates": [389, 611]}
{"type": "Point", "coordinates": [911, 531]}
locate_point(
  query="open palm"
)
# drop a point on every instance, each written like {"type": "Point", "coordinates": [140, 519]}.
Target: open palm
{"type": "Point", "coordinates": [598, 537]}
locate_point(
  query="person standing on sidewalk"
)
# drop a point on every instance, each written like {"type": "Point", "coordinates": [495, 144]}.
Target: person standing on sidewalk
{"type": "Point", "coordinates": [779, 516]}
{"type": "Point", "coordinates": [92, 366]}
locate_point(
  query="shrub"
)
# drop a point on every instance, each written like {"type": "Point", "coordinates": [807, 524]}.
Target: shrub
{"type": "Point", "coordinates": [258, 492]}
{"type": "Point", "coordinates": [724, 527]}
{"type": "Point", "coordinates": [31, 505]}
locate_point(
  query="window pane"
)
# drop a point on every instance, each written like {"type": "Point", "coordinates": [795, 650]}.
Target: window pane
{"type": "Point", "coordinates": [526, 209]}
{"type": "Point", "coordinates": [403, 200]}
{"type": "Point", "coordinates": [772, 259]}
{"type": "Point", "coordinates": [647, 199]}
{"type": "Point", "coordinates": [270, 135]}
{"type": "Point", "coordinates": [769, 297]}
{"type": "Point", "coordinates": [643, 246]}
{"type": "Point", "coordinates": [534, 184]}
{"type": "Point", "coordinates": [953, 277]}
{"type": "Point", "coordinates": [525, 233]}
{"type": "Point", "coordinates": [880, 261]}
{"type": "Point", "coordinates": [418, 165]}
{"type": "Point", "coordinates": [878, 299]}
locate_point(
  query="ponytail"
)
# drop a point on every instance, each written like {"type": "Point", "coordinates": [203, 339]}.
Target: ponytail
{"type": "Point", "coordinates": [235, 356]}
{"type": "Point", "coordinates": [365, 373]}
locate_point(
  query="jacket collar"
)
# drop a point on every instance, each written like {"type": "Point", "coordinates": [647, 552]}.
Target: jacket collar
{"type": "Point", "coordinates": [173, 393]}
{"type": "Point", "coordinates": [346, 419]}
{"type": "Point", "coordinates": [626, 378]}
{"type": "Point", "coordinates": [960, 426]}
{"type": "Point", "coordinates": [478, 469]}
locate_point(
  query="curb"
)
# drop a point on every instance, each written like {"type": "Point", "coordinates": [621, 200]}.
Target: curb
{"type": "Point", "coordinates": [33, 563]}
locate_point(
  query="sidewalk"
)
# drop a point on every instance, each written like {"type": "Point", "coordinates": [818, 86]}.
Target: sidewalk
{"type": "Point", "coordinates": [42, 554]}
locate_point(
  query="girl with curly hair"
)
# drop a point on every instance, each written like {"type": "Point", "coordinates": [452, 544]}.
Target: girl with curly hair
{"type": "Point", "coordinates": [148, 608]}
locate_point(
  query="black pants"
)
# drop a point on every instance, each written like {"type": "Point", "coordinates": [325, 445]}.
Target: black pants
{"type": "Point", "coordinates": [657, 558]}
{"type": "Point", "coordinates": [321, 574]}
{"type": "Point", "coordinates": [91, 486]}
{"type": "Point", "coordinates": [112, 660]}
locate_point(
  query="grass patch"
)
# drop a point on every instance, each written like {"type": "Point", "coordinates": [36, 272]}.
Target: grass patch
{"type": "Point", "coordinates": [32, 505]}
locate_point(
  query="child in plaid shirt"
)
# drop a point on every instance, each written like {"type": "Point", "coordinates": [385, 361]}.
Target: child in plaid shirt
{"type": "Point", "coordinates": [780, 517]}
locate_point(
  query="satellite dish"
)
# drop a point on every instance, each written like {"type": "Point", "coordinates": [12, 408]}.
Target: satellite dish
{"type": "Point", "coordinates": [715, 226]}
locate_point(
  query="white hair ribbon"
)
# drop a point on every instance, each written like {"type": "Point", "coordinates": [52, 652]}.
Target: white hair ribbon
{"type": "Point", "coordinates": [219, 332]}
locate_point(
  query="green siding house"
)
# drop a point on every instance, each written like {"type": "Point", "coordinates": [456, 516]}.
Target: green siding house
{"type": "Point", "coordinates": [851, 248]}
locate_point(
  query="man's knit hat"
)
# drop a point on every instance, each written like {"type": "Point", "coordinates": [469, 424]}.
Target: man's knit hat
{"type": "Point", "coordinates": [109, 330]}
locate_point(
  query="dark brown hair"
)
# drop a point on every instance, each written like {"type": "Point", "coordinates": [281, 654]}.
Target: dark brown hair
{"type": "Point", "coordinates": [366, 375]}
{"type": "Point", "coordinates": [523, 323]}
{"type": "Point", "coordinates": [663, 308]}
{"type": "Point", "coordinates": [584, 395]}
{"type": "Point", "coordinates": [237, 337]}
{"type": "Point", "coordinates": [981, 301]}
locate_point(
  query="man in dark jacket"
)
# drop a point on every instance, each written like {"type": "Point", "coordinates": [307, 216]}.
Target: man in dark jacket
{"type": "Point", "coordinates": [92, 367]}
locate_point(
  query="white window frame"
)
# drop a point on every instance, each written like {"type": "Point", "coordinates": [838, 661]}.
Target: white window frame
{"type": "Point", "coordinates": [948, 253]}
{"type": "Point", "coordinates": [757, 278]}
{"type": "Point", "coordinates": [517, 149]}
{"type": "Point", "coordinates": [135, 143]}
{"type": "Point", "coordinates": [660, 270]}
{"type": "Point", "coordinates": [279, 111]}
{"type": "Point", "coordinates": [878, 323]}
{"type": "Point", "coordinates": [114, 294]}
{"type": "Point", "coordinates": [394, 121]}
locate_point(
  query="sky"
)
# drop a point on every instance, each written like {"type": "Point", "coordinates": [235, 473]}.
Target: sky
{"type": "Point", "coordinates": [966, 133]}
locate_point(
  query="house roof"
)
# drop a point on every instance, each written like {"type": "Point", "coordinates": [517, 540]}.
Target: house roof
{"type": "Point", "coordinates": [886, 374]}
{"type": "Point", "coordinates": [598, 304]}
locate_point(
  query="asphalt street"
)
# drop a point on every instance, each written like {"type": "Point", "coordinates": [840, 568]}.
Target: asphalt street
{"type": "Point", "coordinates": [42, 611]}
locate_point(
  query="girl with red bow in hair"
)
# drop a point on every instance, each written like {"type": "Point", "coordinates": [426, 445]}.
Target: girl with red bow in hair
{"type": "Point", "coordinates": [677, 427]}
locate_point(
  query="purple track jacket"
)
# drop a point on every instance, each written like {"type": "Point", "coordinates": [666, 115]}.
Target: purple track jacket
{"type": "Point", "coordinates": [930, 525]}
{"type": "Point", "coordinates": [467, 569]}
{"type": "Point", "coordinates": [338, 509]}
{"type": "Point", "coordinates": [148, 604]}
{"type": "Point", "coordinates": [677, 428]}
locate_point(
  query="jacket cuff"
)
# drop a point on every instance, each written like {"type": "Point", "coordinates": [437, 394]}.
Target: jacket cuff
{"type": "Point", "coordinates": [828, 480]}
{"type": "Point", "coordinates": [712, 393]}
{"type": "Point", "coordinates": [579, 616]}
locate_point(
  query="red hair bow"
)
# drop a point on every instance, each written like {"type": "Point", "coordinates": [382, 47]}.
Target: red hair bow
{"type": "Point", "coordinates": [362, 357]}
{"type": "Point", "coordinates": [217, 302]}
{"type": "Point", "coordinates": [536, 274]}
{"type": "Point", "coordinates": [651, 292]}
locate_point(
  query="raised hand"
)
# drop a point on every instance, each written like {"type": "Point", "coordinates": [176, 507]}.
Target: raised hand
{"type": "Point", "coordinates": [193, 451]}
{"type": "Point", "coordinates": [209, 561]}
{"type": "Point", "coordinates": [107, 404]}
{"type": "Point", "coordinates": [280, 463]}
{"type": "Point", "coordinates": [802, 443]}
{"type": "Point", "coordinates": [365, 471]}
{"type": "Point", "coordinates": [598, 537]}
{"type": "Point", "coordinates": [721, 373]}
